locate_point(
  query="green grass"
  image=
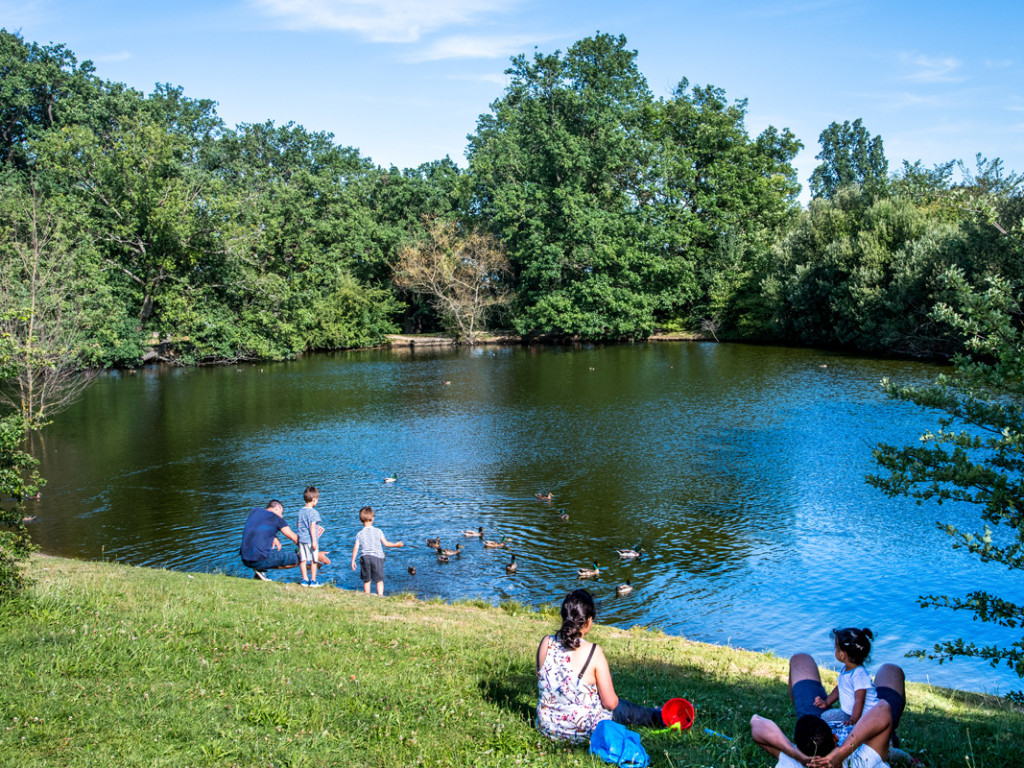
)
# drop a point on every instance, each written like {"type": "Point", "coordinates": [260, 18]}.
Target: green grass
{"type": "Point", "coordinates": [110, 665]}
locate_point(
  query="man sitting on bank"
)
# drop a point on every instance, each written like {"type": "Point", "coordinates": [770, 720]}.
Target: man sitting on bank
{"type": "Point", "coordinates": [261, 549]}
{"type": "Point", "coordinates": [866, 746]}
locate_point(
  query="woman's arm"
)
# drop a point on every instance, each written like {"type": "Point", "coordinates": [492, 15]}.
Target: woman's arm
{"type": "Point", "coordinates": [603, 676]}
{"type": "Point", "coordinates": [542, 651]}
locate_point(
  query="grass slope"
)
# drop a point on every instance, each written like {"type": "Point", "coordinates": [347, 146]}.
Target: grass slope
{"type": "Point", "coordinates": [113, 665]}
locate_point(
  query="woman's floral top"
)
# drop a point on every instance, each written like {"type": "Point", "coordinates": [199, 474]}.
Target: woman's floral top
{"type": "Point", "coordinates": [567, 710]}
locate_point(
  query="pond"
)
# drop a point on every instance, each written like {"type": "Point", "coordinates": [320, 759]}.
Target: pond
{"type": "Point", "coordinates": [739, 470]}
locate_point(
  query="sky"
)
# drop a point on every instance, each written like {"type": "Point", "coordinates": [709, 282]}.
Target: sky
{"type": "Point", "coordinates": [404, 81]}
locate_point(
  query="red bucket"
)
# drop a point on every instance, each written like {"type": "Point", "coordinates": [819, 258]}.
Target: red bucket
{"type": "Point", "coordinates": [678, 714]}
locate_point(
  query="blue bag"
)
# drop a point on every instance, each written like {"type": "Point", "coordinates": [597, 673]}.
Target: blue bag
{"type": "Point", "coordinates": [616, 744]}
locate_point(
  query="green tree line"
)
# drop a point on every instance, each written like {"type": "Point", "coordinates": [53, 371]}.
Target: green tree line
{"type": "Point", "coordinates": [604, 212]}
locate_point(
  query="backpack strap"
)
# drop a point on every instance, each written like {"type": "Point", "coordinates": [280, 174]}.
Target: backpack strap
{"type": "Point", "coordinates": [593, 647]}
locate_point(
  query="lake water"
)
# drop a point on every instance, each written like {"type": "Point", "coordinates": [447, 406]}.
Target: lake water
{"type": "Point", "coordinates": [739, 469]}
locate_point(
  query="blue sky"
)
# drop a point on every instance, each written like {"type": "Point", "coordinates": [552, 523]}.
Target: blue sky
{"type": "Point", "coordinates": [405, 80]}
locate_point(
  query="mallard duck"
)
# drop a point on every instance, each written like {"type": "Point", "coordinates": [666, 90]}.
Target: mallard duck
{"type": "Point", "coordinates": [434, 543]}
{"type": "Point", "coordinates": [457, 551]}
{"type": "Point", "coordinates": [589, 573]}
{"type": "Point", "coordinates": [544, 496]}
{"type": "Point", "coordinates": [624, 589]}
{"type": "Point", "coordinates": [392, 479]}
{"type": "Point", "coordinates": [442, 558]}
{"type": "Point", "coordinates": [563, 515]}
{"type": "Point", "coordinates": [511, 567]}
{"type": "Point", "coordinates": [497, 544]}
{"type": "Point", "coordinates": [412, 570]}
{"type": "Point", "coordinates": [477, 534]}
{"type": "Point", "coordinates": [630, 554]}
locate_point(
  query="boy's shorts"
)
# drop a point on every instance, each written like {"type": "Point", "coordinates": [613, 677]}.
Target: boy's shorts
{"type": "Point", "coordinates": [306, 553]}
{"type": "Point", "coordinates": [371, 568]}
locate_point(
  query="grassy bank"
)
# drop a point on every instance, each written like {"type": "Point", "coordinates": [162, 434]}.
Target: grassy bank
{"type": "Point", "coordinates": [118, 666]}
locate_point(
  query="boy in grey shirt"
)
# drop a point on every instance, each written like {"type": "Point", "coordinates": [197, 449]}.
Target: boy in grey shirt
{"type": "Point", "coordinates": [372, 541]}
{"type": "Point", "coordinates": [309, 530]}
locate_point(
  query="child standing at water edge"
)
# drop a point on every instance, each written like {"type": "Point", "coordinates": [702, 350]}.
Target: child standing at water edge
{"type": "Point", "coordinates": [372, 541]}
{"type": "Point", "coordinates": [855, 691]}
{"type": "Point", "coordinates": [309, 531]}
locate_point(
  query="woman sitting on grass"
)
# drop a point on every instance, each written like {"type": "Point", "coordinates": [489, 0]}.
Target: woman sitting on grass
{"type": "Point", "coordinates": [575, 690]}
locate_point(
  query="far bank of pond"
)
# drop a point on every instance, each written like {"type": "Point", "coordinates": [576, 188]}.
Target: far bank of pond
{"type": "Point", "coordinates": [738, 468]}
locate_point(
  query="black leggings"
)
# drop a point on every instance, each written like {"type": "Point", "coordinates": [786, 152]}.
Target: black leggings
{"type": "Point", "coordinates": [628, 713]}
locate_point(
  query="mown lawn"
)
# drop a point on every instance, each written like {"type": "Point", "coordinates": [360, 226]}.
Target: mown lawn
{"type": "Point", "coordinates": [111, 665]}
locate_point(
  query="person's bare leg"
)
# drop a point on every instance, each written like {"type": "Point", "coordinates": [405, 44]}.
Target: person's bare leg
{"type": "Point", "coordinates": [380, 589]}
{"type": "Point", "coordinates": [801, 667]}
{"type": "Point", "coordinates": [891, 676]}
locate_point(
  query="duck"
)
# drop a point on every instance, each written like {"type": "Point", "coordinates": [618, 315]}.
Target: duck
{"type": "Point", "coordinates": [392, 479]}
{"type": "Point", "coordinates": [477, 534]}
{"type": "Point", "coordinates": [630, 554]}
{"type": "Point", "coordinates": [588, 573]}
{"type": "Point", "coordinates": [412, 570]}
{"type": "Point", "coordinates": [457, 551]}
{"type": "Point", "coordinates": [544, 496]}
{"type": "Point", "coordinates": [511, 567]}
{"type": "Point", "coordinates": [563, 515]}
{"type": "Point", "coordinates": [624, 589]}
{"type": "Point", "coordinates": [434, 543]}
{"type": "Point", "coordinates": [496, 544]}
{"type": "Point", "coordinates": [442, 558]}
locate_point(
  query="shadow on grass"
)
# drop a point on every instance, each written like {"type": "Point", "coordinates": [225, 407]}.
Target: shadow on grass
{"type": "Point", "coordinates": [982, 730]}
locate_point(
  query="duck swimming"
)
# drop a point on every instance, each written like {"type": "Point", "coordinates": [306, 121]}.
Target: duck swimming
{"type": "Point", "coordinates": [497, 544]}
{"type": "Point", "coordinates": [457, 551]}
{"type": "Point", "coordinates": [588, 573]}
{"type": "Point", "coordinates": [511, 567]}
{"type": "Point", "coordinates": [544, 496]}
{"type": "Point", "coordinates": [624, 589]}
{"type": "Point", "coordinates": [630, 554]}
{"type": "Point", "coordinates": [412, 570]}
{"type": "Point", "coordinates": [477, 534]}
{"type": "Point", "coordinates": [434, 543]}
{"type": "Point", "coordinates": [442, 558]}
{"type": "Point", "coordinates": [563, 515]}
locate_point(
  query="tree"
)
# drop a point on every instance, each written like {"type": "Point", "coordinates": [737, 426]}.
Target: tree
{"type": "Point", "coordinates": [849, 155]}
{"type": "Point", "coordinates": [18, 482]}
{"type": "Point", "coordinates": [976, 456]}
{"type": "Point", "coordinates": [39, 318]}
{"type": "Point", "coordinates": [554, 167]}
{"type": "Point", "coordinates": [464, 275]}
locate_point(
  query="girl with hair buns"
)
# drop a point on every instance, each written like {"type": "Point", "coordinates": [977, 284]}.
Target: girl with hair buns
{"type": "Point", "coordinates": [855, 691]}
{"type": "Point", "coordinates": [574, 684]}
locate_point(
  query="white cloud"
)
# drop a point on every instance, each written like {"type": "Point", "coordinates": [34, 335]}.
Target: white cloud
{"type": "Point", "coordinates": [17, 14]}
{"type": "Point", "coordinates": [931, 69]}
{"type": "Point", "coordinates": [998, 63]}
{"type": "Point", "coordinates": [477, 47]}
{"type": "Point", "coordinates": [382, 21]}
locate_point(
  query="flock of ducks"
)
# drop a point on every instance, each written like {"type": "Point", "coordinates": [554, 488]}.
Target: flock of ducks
{"type": "Point", "coordinates": [444, 555]}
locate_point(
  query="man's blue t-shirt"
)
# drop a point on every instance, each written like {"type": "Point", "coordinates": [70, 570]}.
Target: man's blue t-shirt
{"type": "Point", "coordinates": [260, 531]}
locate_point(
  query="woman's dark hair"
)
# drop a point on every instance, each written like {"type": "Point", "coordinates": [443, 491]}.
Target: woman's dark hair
{"type": "Point", "coordinates": [855, 643]}
{"type": "Point", "coordinates": [577, 609]}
